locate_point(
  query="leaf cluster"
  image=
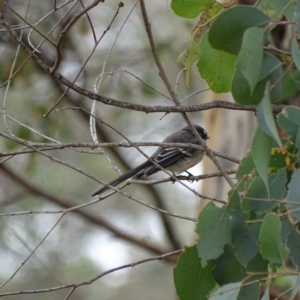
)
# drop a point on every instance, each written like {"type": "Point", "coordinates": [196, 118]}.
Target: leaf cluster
{"type": "Point", "coordinates": [243, 246]}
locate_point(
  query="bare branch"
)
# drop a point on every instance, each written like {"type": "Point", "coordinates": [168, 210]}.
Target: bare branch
{"type": "Point", "coordinates": [66, 29]}
{"type": "Point", "coordinates": [75, 285]}
{"type": "Point", "coordinates": [127, 105]}
{"type": "Point", "coordinates": [89, 216]}
{"type": "Point", "coordinates": [49, 146]}
{"type": "Point", "coordinates": [32, 252]}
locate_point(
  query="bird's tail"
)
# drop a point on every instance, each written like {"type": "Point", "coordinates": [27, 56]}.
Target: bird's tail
{"type": "Point", "coordinates": [125, 176]}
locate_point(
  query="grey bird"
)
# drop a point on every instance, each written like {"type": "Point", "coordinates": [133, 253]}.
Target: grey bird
{"type": "Point", "coordinates": [174, 159]}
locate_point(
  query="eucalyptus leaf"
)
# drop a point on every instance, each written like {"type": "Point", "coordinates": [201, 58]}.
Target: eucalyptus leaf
{"type": "Point", "coordinates": [272, 247]}
{"type": "Point", "coordinates": [190, 8]}
{"type": "Point", "coordinates": [251, 55]}
{"type": "Point", "coordinates": [271, 70]}
{"type": "Point", "coordinates": [293, 244]}
{"type": "Point", "coordinates": [293, 194]}
{"type": "Point", "coordinates": [227, 30]}
{"type": "Point", "coordinates": [217, 67]}
{"type": "Point", "coordinates": [214, 232]}
{"type": "Point", "coordinates": [192, 282]}
{"type": "Point", "coordinates": [249, 292]}
{"type": "Point", "coordinates": [227, 268]}
{"type": "Point", "coordinates": [265, 117]}
{"type": "Point", "coordinates": [256, 197]}
{"type": "Point", "coordinates": [261, 148]}
{"type": "Point", "coordinates": [244, 237]}
{"type": "Point", "coordinates": [296, 53]}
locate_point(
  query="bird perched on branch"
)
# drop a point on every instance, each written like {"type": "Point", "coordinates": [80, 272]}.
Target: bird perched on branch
{"type": "Point", "coordinates": [174, 159]}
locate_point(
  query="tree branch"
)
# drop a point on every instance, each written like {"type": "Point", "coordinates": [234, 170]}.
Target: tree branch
{"type": "Point", "coordinates": [127, 105]}
{"type": "Point", "coordinates": [67, 203]}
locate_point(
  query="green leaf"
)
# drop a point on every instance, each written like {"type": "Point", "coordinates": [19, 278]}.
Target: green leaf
{"type": "Point", "coordinates": [227, 30]}
{"type": "Point", "coordinates": [244, 237]}
{"type": "Point", "coordinates": [292, 113]}
{"type": "Point", "coordinates": [275, 9]}
{"type": "Point", "coordinates": [284, 8]}
{"type": "Point", "coordinates": [213, 229]}
{"type": "Point", "coordinates": [293, 244]}
{"type": "Point", "coordinates": [296, 18]}
{"type": "Point", "coordinates": [190, 54]}
{"type": "Point", "coordinates": [289, 121]}
{"type": "Point", "coordinates": [293, 194]}
{"type": "Point", "coordinates": [258, 266]}
{"type": "Point", "coordinates": [227, 268]}
{"type": "Point", "coordinates": [191, 8]}
{"type": "Point", "coordinates": [272, 248]}
{"type": "Point", "coordinates": [265, 117]}
{"type": "Point", "coordinates": [227, 292]}
{"type": "Point", "coordinates": [192, 282]}
{"type": "Point", "coordinates": [261, 148]}
{"type": "Point", "coordinates": [268, 9]}
{"type": "Point", "coordinates": [233, 199]}
{"type": "Point", "coordinates": [241, 90]}
{"type": "Point", "coordinates": [270, 64]}
{"type": "Point", "coordinates": [285, 231]}
{"type": "Point", "coordinates": [245, 173]}
{"type": "Point", "coordinates": [249, 292]}
{"type": "Point", "coordinates": [298, 144]}
{"type": "Point", "coordinates": [271, 70]}
{"type": "Point", "coordinates": [289, 83]}
{"type": "Point", "coordinates": [280, 159]}
{"type": "Point", "coordinates": [290, 128]}
{"type": "Point", "coordinates": [256, 197]}
{"type": "Point", "coordinates": [250, 57]}
{"type": "Point", "coordinates": [216, 8]}
{"type": "Point", "coordinates": [192, 51]}
{"type": "Point", "coordinates": [216, 67]}
{"type": "Point", "coordinates": [296, 53]}
{"type": "Point", "coordinates": [246, 166]}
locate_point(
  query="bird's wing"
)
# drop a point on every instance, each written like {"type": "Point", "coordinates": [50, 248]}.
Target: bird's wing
{"type": "Point", "coordinates": [169, 155]}
{"type": "Point", "coordinates": [166, 157]}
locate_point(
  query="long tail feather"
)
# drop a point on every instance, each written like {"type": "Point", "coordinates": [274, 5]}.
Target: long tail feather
{"type": "Point", "coordinates": [124, 177]}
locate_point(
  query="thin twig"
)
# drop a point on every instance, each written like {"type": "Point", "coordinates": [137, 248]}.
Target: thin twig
{"type": "Point", "coordinates": [181, 177]}
{"type": "Point", "coordinates": [32, 252]}
{"type": "Point", "coordinates": [127, 105]}
{"type": "Point", "coordinates": [88, 282]}
{"type": "Point", "coordinates": [162, 72]}
{"type": "Point", "coordinates": [33, 27]}
{"type": "Point", "coordinates": [70, 293]}
{"type": "Point", "coordinates": [48, 147]}
{"type": "Point", "coordinates": [66, 29]}
{"type": "Point", "coordinates": [90, 22]}
{"type": "Point", "coordinates": [52, 72]}
{"type": "Point", "coordinates": [88, 215]}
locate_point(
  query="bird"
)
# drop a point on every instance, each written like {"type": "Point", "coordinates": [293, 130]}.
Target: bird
{"type": "Point", "coordinates": [174, 159]}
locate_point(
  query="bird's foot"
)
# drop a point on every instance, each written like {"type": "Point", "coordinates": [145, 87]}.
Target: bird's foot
{"type": "Point", "coordinates": [189, 177]}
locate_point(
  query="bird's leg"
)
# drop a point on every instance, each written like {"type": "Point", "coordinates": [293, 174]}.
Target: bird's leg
{"type": "Point", "coordinates": [190, 175]}
{"type": "Point", "coordinates": [172, 178]}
